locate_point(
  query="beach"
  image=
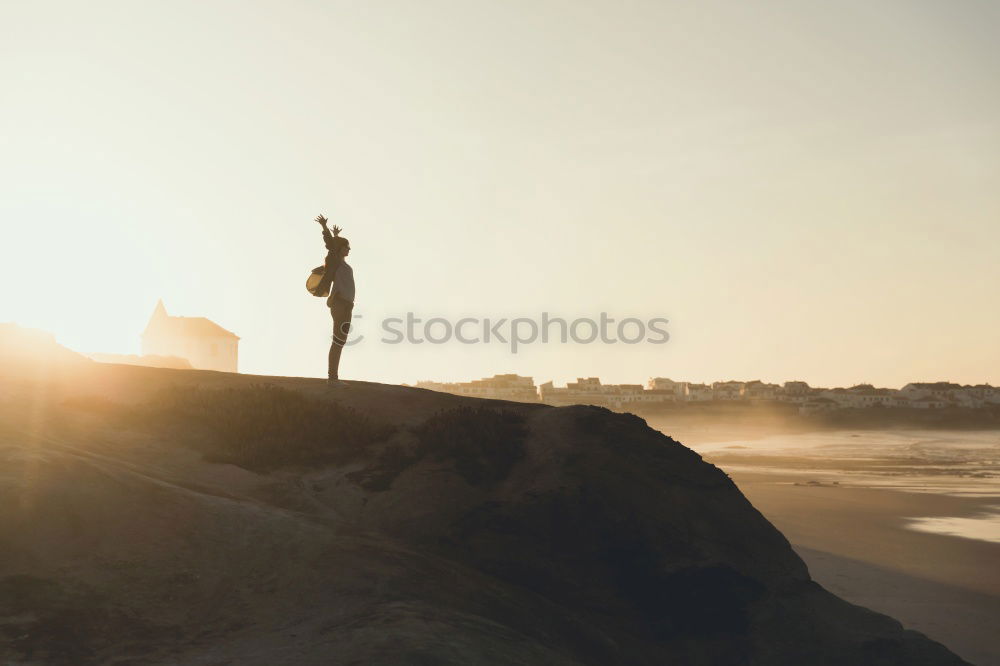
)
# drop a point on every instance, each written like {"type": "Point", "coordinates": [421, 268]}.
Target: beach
{"type": "Point", "coordinates": [901, 522]}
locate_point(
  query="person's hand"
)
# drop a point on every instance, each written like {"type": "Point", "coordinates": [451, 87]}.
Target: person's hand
{"type": "Point", "coordinates": [322, 220]}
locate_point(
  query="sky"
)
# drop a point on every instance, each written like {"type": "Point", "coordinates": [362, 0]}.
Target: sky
{"type": "Point", "coordinates": [804, 189]}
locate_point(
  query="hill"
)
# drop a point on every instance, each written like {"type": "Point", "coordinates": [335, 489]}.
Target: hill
{"type": "Point", "coordinates": [153, 515]}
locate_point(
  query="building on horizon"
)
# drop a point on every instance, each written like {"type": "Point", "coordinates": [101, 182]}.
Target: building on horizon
{"type": "Point", "coordinates": [728, 390]}
{"type": "Point", "coordinates": [667, 387]}
{"type": "Point", "coordinates": [498, 387]}
{"type": "Point", "coordinates": [590, 391]}
{"type": "Point", "coordinates": [665, 391]}
{"type": "Point", "coordinates": [200, 341]}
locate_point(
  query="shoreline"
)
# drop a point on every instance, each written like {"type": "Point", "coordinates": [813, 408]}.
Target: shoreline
{"type": "Point", "coordinates": [870, 525]}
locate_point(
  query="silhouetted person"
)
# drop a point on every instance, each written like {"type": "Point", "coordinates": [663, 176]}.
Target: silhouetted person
{"type": "Point", "coordinates": [340, 276]}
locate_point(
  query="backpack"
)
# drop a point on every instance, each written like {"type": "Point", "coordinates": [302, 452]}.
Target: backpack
{"type": "Point", "coordinates": [317, 284]}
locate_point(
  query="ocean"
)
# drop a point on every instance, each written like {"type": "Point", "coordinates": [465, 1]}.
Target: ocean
{"type": "Point", "coordinates": [955, 462]}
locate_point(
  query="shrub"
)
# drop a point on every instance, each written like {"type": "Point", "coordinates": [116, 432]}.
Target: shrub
{"type": "Point", "coordinates": [264, 427]}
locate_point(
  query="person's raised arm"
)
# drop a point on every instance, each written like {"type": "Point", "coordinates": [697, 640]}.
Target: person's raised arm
{"type": "Point", "coordinates": [327, 236]}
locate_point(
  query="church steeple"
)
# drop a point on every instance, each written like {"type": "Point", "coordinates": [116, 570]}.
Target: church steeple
{"type": "Point", "coordinates": [160, 310]}
{"type": "Point", "coordinates": [158, 319]}
{"type": "Point", "coordinates": [200, 341]}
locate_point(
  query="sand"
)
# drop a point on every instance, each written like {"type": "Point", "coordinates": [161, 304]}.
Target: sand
{"type": "Point", "coordinates": [856, 544]}
{"type": "Point", "coordinates": [847, 500]}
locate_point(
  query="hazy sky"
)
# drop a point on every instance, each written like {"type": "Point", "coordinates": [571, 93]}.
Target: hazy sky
{"type": "Point", "coordinates": [805, 189]}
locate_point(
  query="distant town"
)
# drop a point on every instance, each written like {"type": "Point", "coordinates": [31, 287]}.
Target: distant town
{"type": "Point", "coordinates": [660, 390]}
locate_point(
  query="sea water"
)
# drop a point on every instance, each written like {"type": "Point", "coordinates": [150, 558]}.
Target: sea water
{"type": "Point", "coordinates": [957, 463]}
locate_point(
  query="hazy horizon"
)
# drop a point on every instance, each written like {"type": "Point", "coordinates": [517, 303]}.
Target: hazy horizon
{"type": "Point", "coordinates": [805, 191]}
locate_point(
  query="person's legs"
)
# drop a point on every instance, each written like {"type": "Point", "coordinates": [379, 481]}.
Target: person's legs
{"type": "Point", "coordinates": [341, 314]}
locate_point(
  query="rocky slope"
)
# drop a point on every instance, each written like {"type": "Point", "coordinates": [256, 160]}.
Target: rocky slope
{"type": "Point", "coordinates": [172, 516]}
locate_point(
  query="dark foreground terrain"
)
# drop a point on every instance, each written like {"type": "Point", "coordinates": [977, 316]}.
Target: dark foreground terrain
{"type": "Point", "coordinates": [185, 517]}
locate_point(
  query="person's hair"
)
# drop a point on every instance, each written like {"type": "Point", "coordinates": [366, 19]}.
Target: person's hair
{"type": "Point", "coordinates": [339, 242]}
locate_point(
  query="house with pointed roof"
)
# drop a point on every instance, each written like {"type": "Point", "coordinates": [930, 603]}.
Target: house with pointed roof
{"type": "Point", "coordinates": [205, 344]}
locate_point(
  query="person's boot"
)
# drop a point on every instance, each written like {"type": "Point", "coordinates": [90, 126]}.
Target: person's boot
{"type": "Point", "coordinates": [333, 382]}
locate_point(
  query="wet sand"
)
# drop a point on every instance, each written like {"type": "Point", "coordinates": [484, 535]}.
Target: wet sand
{"type": "Point", "coordinates": [857, 545]}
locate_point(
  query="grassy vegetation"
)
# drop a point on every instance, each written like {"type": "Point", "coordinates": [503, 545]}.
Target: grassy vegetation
{"type": "Point", "coordinates": [484, 443]}
{"type": "Point", "coordinates": [264, 427]}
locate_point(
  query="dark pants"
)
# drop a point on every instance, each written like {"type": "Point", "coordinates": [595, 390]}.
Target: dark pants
{"type": "Point", "coordinates": [340, 310]}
